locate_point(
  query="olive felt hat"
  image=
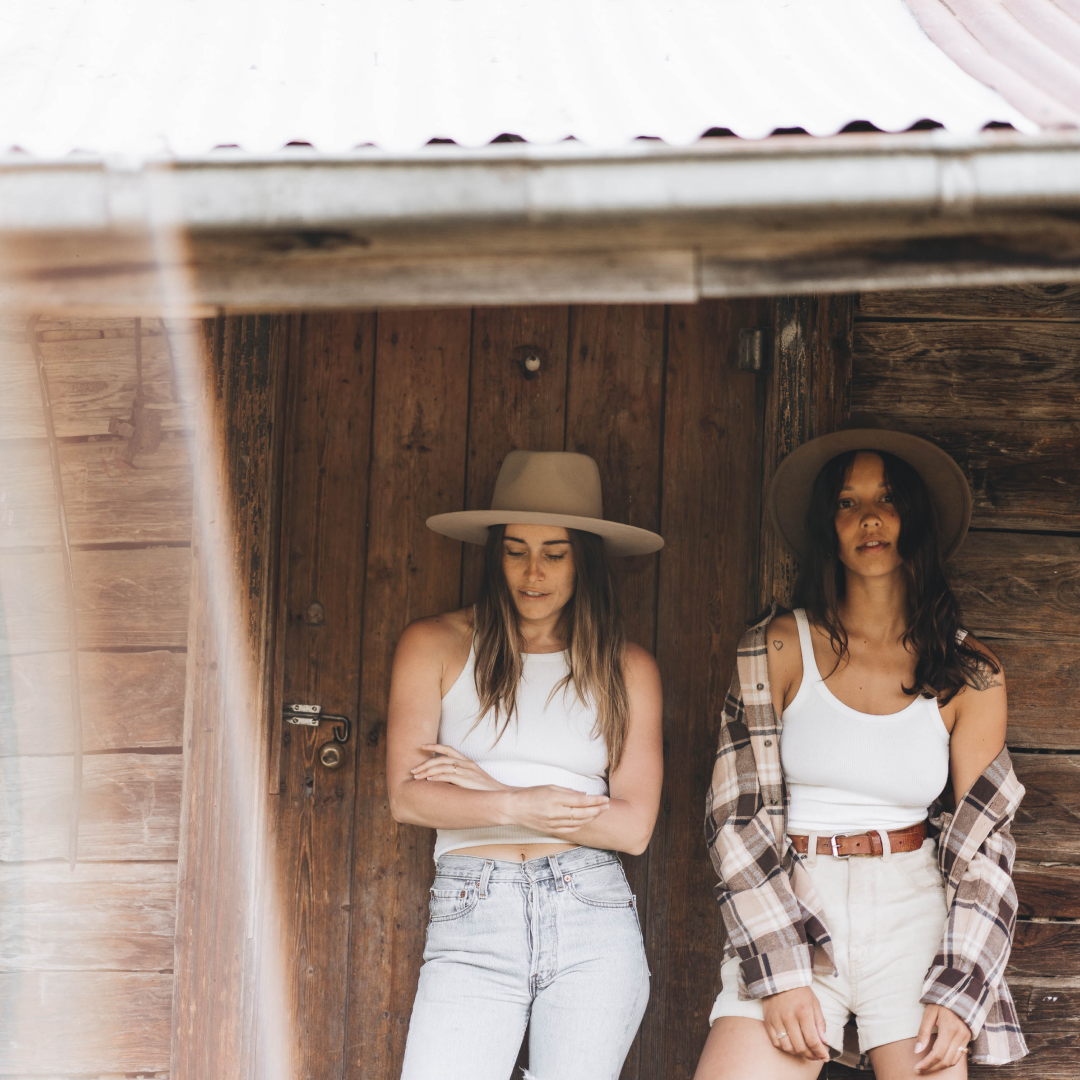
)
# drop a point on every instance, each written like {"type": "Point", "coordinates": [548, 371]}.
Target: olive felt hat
{"type": "Point", "coordinates": [538, 487]}
{"type": "Point", "coordinates": [792, 485]}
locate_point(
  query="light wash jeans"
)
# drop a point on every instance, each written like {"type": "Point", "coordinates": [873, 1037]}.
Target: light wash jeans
{"type": "Point", "coordinates": [554, 941]}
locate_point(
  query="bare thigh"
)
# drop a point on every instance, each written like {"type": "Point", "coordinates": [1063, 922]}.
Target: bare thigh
{"type": "Point", "coordinates": [738, 1047]}
{"type": "Point", "coordinates": [897, 1061]}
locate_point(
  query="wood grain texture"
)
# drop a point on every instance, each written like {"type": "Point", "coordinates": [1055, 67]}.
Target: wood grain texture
{"type": "Point", "coordinates": [1043, 679]}
{"type": "Point", "coordinates": [710, 510]}
{"type": "Point", "coordinates": [129, 700]}
{"type": "Point", "coordinates": [1046, 1004]}
{"type": "Point", "coordinates": [84, 1022]}
{"type": "Point", "coordinates": [130, 807]}
{"type": "Point", "coordinates": [1047, 826]}
{"type": "Point", "coordinates": [1054, 302]}
{"type": "Point", "coordinates": [227, 942]}
{"type": "Point", "coordinates": [1016, 584]}
{"type": "Point", "coordinates": [1046, 889]}
{"type": "Point", "coordinates": [1023, 474]}
{"type": "Point", "coordinates": [614, 413]}
{"type": "Point", "coordinates": [93, 382]}
{"type": "Point", "coordinates": [97, 916]}
{"type": "Point", "coordinates": [20, 395]}
{"type": "Point", "coordinates": [806, 394]}
{"type": "Point", "coordinates": [324, 539]}
{"type": "Point", "coordinates": [1000, 371]}
{"type": "Point", "coordinates": [1046, 948]}
{"type": "Point", "coordinates": [126, 598]}
{"type": "Point", "coordinates": [417, 469]}
{"type": "Point", "coordinates": [511, 407]}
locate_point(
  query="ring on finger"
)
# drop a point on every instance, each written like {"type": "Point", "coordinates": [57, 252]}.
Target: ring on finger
{"type": "Point", "coordinates": [781, 1035]}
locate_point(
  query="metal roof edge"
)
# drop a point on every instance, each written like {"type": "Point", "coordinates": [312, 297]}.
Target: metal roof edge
{"type": "Point", "coordinates": [446, 185]}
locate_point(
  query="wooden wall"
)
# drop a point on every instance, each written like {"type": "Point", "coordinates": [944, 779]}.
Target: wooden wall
{"type": "Point", "coordinates": [86, 951]}
{"type": "Point", "coordinates": [993, 376]}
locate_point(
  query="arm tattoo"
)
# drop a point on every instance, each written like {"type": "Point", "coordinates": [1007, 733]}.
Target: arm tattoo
{"type": "Point", "coordinates": [778, 645]}
{"type": "Point", "coordinates": [982, 678]}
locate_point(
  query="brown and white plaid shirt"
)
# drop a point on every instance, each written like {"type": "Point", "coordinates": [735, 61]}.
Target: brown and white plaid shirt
{"type": "Point", "coordinates": [773, 915]}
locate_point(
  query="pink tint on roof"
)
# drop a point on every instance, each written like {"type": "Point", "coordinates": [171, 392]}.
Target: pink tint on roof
{"type": "Point", "coordinates": [1027, 50]}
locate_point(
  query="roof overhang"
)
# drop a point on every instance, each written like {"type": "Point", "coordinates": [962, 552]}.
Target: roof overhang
{"type": "Point", "coordinates": [516, 223]}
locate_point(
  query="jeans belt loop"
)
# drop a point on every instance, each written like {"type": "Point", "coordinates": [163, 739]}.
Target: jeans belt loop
{"type": "Point", "coordinates": [556, 873]}
{"type": "Point", "coordinates": [485, 877]}
{"type": "Point", "coordinates": [811, 850]}
{"type": "Point", "coordinates": [886, 844]}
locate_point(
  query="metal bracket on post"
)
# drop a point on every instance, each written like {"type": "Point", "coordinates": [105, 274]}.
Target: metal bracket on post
{"type": "Point", "coordinates": [753, 344]}
{"type": "Point", "coordinates": [312, 715]}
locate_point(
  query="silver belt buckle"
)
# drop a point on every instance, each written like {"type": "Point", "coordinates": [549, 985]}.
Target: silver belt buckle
{"type": "Point", "coordinates": [835, 850]}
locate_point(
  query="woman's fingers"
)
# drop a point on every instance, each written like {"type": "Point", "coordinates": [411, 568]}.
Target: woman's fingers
{"type": "Point", "coordinates": [446, 751]}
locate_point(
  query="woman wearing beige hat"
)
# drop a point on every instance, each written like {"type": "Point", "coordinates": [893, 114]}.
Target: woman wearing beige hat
{"type": "Point", "coordinates": [849, 886]}
{"type": "Point", "coordinates": [527, 731]}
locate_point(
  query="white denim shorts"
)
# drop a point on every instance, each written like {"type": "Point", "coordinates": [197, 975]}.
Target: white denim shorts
{"type": "Point", "coordinates": [886, 916]}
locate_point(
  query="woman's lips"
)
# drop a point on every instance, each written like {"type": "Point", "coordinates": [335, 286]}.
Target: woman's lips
{"type": "Point", "coordinates": [874, 545]}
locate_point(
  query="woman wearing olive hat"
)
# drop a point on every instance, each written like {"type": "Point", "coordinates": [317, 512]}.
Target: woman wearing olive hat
{"type": "Point", "coordinates": [846, 886]}
{"type": "Point", "coordinates": [527, 731]}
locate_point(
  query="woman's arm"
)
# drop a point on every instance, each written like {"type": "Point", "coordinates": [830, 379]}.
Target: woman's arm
{"type": "Point", "coordinates": [635, 786]}
{"type": "Point", "coordinates": [412, 730]}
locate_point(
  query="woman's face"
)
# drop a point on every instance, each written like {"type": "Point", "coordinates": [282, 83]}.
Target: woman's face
{"type": "Point", "coordinates": [867, 524]}
{"type": "Point", "coordinates": [538, 561]}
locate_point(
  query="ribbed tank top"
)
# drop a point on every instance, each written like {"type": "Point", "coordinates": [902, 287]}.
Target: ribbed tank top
{"type": "Point", "coordinates": [848, 771]}
{"type": "Point", "coordinates": [549, 740]}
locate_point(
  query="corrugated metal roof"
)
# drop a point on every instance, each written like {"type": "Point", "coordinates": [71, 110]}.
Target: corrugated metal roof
{"type": "Point", "coordinates": [183, 76]}
{"type": "Point", "coordinates": [1029, 50]}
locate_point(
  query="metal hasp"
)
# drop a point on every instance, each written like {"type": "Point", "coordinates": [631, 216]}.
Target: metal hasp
{"type": "Point", "coordinates": [312, 715]}
{"type": "Point", "coordinates": [753, 343]}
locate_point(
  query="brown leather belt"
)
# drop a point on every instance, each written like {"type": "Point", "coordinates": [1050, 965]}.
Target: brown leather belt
{"type": "Point", "coordinates": [909, 839]}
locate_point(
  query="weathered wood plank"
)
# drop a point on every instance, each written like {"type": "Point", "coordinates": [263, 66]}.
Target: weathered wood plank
{"type": "Point", "coordinates": [107, 499]}
{"type": "Point", "coordinates": [1014, 584]}
{"type": "Point", "coordinates": [1046, 948]}
{"type": "Point", "coordinates": [417, 469]}
{"type": "Point", "coordinates": [1043, 678]}
{"type": "Point", "coordinates": [1058, 302]}
{"type": "Point", "coordinates": [710, 513]}
{"type": "Point", "coordinates": [1000, 371]}
{"type": "Point", "coordinates": [324, 538]}
{"type": "Point", "coordinates": [129, 811]}
{"type": "Point", "coordinates": [20, 397]}
{"type": "Point", "coordinates": [511, 407]}
{"type": "Point", "coordinates": [1047, 890]}
{"type": "Point", "coordinates": [97, 916]}
{"type": "Point", "coordinates": [1023, 474]}
{"type": "Point", "coordinates": [1051, 1004]}
{"type": "Point", "coordinates": [614, 413]}
{"type": "Point", "coordinates": [93, 382]}
{"type": "Point", "coordinates": [84, 1022]}
{"type": "Point", "coordinates": [136, 597]}
{"type": "Point", "coordinates": [1047, 826]}
{"type": "Point", "coordinates": [129, 700]}
{"type": "Point", "coordinates": [227, 941]}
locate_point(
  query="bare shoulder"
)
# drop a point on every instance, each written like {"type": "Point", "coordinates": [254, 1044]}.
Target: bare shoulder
{"type": "Point", "coordinates": [437, 636]}
{"type": "Point", "coordinates": [639, 664]}
{"type": "Point", "coordinates": [782, 633]}
{"type": "Point", "coordinates": [985, 677]}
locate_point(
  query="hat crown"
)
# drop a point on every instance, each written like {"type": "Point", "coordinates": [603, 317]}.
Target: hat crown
{"type": "Point", "coordinates": [549, 482]}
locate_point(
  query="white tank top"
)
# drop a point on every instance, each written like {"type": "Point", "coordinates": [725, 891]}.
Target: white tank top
{"type": "Point", "coordinates": [549, 740]}
{"type": "Point", "coordinates": [850, 772]}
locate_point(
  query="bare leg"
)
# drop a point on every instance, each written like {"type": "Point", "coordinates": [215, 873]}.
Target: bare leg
{"type": "Point", "coordinates": [897, 1061]}
{"type": "Point", "coordinates": [737, 1048]}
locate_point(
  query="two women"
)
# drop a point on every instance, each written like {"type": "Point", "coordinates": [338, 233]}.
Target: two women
{"type": "Point", "coordinates": [526, 730]}
{"type": "Point", "coordinates": [845, 721]}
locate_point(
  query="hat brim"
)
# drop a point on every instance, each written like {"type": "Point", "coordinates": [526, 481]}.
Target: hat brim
{"type": "Point", "coordinates": [792, 485]}
{"type": "Point", "coordinates": [472, 527]}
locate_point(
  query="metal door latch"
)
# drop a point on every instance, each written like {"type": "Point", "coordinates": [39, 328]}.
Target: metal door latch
{"type": "Point", "coordinates": [312, 715]}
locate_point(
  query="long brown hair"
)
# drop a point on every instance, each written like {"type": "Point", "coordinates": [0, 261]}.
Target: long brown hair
{"type": "Point", "coordinates": [943, 665]}
{"type": "Point", "coordinates": [591, 623]}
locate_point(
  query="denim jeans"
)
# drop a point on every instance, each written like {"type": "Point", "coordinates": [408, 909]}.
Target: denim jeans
{"type": "Point", "coordinates": [554, 941]}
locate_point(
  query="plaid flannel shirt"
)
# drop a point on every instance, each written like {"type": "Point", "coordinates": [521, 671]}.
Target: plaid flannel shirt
{"type": "Point", "coordinates": [773, 915]}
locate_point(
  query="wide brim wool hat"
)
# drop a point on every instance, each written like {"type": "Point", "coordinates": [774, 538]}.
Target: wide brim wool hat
{"type": "Point", "coordinates": [537, 487]}
{"type": "Point", "coordinates": [793, 484]}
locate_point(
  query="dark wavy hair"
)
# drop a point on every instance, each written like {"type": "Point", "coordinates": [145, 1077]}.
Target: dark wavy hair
{"type": "Point", "coordinates": [943, 665]}
{"type": "Point", "coordinates": [592, 624]}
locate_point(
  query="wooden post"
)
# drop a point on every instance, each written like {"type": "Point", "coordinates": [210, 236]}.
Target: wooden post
{"type": "Point", "coordinates": [807, 391]}
{"type": "Point", "coordinates": [221, 933]}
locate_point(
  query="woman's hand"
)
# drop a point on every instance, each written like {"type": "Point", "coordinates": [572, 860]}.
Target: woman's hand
{"type": "Point", "coordinates": [554, 810]}
{"type": "Point", "coordinates": [453, 767]}
{"type": "Point", "coordinates": [949, 1044]}
{"type": "Point", "coordinates": [795, 1023]}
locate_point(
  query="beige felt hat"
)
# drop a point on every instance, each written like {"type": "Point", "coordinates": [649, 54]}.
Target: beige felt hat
{"type": "Point", "coordinates": [792, 485]}
{"type": "Point", "coordinates": [547, 488]}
